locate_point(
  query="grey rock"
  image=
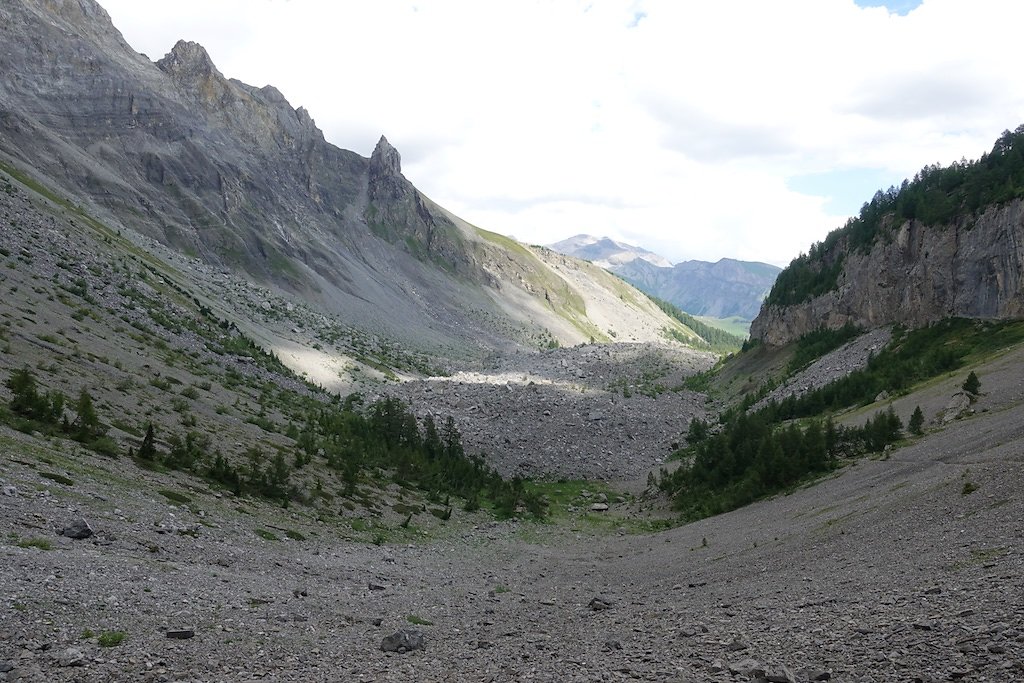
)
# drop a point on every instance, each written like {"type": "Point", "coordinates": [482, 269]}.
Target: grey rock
{"type": "Point", "coordinates": [815, 675]}
{"type": "Point", "coordinates": [780, 674]}
{"type": "Point", "coordinates": [10, 491]}
{"type": "Point", "coordinates": [599, 604]}
{"type": "Point", "coordinates": [78, 529]}
{"type": "Point", "coordinates": [71, 657]}
{"type": "Point", "coordinates": [403, 640]}
{"type": "Point", "coordinates": [747, 667]}
{"type": "Point", "coordinates": [959, 404]}
{"type": "Point", "coordinates": [599, 507]}
{"type": "Point", "coordinates": [180, 634]}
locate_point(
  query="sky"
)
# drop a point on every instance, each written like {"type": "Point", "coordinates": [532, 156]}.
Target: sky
{"type": "Point", "coordinates": [697, 129]}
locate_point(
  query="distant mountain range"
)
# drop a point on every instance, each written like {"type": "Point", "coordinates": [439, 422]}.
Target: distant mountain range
{"type": "Point", "coordinates": [725, 289]}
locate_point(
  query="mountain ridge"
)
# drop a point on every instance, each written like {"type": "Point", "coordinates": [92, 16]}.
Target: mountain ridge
{"type": "Point", "coordinates": [723, 289]}
{"type": "Point", "coordinates": [234, 175]}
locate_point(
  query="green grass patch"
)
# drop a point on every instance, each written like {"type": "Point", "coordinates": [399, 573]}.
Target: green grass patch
{"type": "Point", "coordinates": [418, 621]}
{"type": "Point", "coordinates": [39, 543]}
{"type": "Point", "coordinates": [736, 326]}
{"type": "Point", "coordinates": [111, 638]}
{"type": "Point", "coordinates": [266, 535]}
{"type": "Point", "coordinates": [59, 478]}
{"type": "Point", "coordinates": [175, 496]}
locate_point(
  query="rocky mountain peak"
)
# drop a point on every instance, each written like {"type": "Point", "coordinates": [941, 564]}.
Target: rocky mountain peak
{"type": "Point", "coordinates": [386, 179]}
{"type": "Point", "coordinates": [189, 65]}
{"type": "Point", "coordinates": [188, 57]}
{"type": "Point", "coordinates": [385, 159]}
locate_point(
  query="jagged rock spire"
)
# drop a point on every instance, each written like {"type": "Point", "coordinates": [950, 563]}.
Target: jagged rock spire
{"type": "Point", "coordinates": [386, 180]}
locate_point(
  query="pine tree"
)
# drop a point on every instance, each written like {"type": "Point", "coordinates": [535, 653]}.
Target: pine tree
{"type": "Point", "coordinates": [916, 422]}
{"type": "Point", "coordinates": [972, 385]}
{"type": "Point", "coordinates": [87, 423]}
{"type": "Point", "coordinates": [147, 451]}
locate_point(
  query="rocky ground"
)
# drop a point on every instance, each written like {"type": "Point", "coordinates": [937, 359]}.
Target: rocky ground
{"type": "Point", "coordinates": [907, 568]}
{"type": "Point", "coordinates": [830, 367]}
{"type": "Point", "coordinates": [592, 412]}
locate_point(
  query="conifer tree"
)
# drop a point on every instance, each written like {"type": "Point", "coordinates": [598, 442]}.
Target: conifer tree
{"type": "Point", "coordinates": [916, 422]}
{"type": "Point", "coordinates": [147, 451]}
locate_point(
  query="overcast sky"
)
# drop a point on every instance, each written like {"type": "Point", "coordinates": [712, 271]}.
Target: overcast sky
{"type": "Point", "coordinates": [720, 128]}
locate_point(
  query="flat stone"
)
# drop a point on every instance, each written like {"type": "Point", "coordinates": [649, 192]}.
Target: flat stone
{"type": "Point", "coordinates": [599, 507]}
{"type": "Point", "coordinates": [181, 634]}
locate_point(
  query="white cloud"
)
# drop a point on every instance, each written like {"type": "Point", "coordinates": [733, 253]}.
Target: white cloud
{"type": "Point", "coordinates": [669, 124]}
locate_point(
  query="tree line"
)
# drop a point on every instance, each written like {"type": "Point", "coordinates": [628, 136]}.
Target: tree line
{"type": "Point", "coordinates": [936, 196]}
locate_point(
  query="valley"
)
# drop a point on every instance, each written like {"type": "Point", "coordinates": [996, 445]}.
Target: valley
{"type": "Point", "coordinates": [884, 570]}
{"type": "Point", "coordinates": [269, 413]}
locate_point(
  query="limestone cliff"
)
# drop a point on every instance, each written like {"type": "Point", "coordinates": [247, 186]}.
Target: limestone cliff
{"type": "Point", "coordinates": [914, 274]}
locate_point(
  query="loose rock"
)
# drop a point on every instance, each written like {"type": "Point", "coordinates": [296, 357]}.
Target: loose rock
{"type": "Point", "coordinates": [403, 640]}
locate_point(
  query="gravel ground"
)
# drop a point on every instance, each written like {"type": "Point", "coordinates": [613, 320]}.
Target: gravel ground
{"type": "Point", "coordinates": [832, 366]}
{"type": "Point", "coordinates": [887, 571]}
{"type": "Point", "coordinates": [578, 412]}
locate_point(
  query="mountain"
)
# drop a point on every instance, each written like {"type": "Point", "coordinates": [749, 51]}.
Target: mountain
{"type": "Point", "coordinates": [177, 154]}
{"type": "Point", "coordinates": [948, 243]}
{"type": "Point", "coordinates": [606, 252]}
{"type": "Point", "coordinates": [725, 289]}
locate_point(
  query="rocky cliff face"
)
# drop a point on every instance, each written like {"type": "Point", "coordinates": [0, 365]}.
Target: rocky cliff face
{"type": "Point", "coordinates": [235, 176]}
{"type": "Point", "coordinates": [915, 274]}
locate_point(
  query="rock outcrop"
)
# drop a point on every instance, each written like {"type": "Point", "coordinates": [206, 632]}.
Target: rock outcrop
{"type": "Point", "coordinates": [915, 274]}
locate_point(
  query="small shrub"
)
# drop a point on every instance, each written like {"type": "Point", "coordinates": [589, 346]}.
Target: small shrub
{"type": "Point", "coordinates": [418, 620]}
{"type": "Point", "coordinates": [40, 543]}
{"type": "Point", "coordinates": [104, 445]}
{"type": "Point", "coordinates": [972, 385]}
{"type": "Point", "coordinates": [111, 638]}
{"type": "Point", "coordinates": [969, 488]}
